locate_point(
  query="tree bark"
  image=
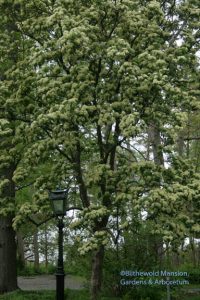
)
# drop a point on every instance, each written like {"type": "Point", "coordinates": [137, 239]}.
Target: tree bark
{"type": "Point", "coordinates": [180, 144]}
{"type": "Point", "coordinates": [8, 247]}
{"type": "Point", "coordinates": [97, 269]}
{"type": "Point", "coordinates": [156, 144]}
{"type": "Point", "coordinates": [20, 250]}
{"type": "Point", "coordinates": [36, 251]}
{"type": "Point", "coordinates": [8, 271]}
{"type": "Point", "coordinates": [155, 141]}
{"type": "Point", "coordinates": [193, 253]}
{"type": "Point", "coordinates": [46, 248]}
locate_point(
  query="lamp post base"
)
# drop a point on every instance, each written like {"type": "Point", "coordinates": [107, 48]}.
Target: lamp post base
{"type": "Point", "coordinates": [60, 274]}
{"type": "Point", "coordinates": [60, 283]}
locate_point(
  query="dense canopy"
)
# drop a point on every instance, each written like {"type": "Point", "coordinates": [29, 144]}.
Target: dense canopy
{"type": "Point", "coordinates": [99, 96]}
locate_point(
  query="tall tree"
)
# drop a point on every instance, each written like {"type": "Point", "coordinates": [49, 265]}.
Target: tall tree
{"type": "Point", "coordinates": [8, 163]}
{"type": "Point", "coordinates": [98, 73]}
{"type": "Point", "coordinates": [13, 114]}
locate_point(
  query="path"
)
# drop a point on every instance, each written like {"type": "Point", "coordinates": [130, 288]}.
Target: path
{"type": "Point", "coordinates": [48, 282]}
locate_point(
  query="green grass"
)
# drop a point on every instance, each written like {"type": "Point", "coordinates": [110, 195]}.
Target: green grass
{"type": "Point", "coordinates": [69, 294]}
{"type": "Point", "coordinates": [44, 295]}
{"type": "Point", "coordinates": [49, 295]}
{"type": "Point", "coordinates": [192, 298]}
{"type": "Point", "coordinates": [19, 295]}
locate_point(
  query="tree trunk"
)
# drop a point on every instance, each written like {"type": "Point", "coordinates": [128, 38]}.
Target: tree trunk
{"type": "Point", "coordinates": [156, 144]}
{"type": "Point", "coordinates": [8, 271]}
{"type": "Point", "coordinates": [8, 247]}
{"type": "Point", "coordinates": [20, 250]}
{"type": "Point", "coordinates": [36, 251]}
{"type": "Point", "coordinates": [46, 248]}
{"type": "Point", "coordinates": [193, 253]}
{"type": "Point", "coordinates": [97, 269]}
{"type": "Point", "coordinates": [155, 141]}
{"type": "Point", "coordinates": [180, 144]}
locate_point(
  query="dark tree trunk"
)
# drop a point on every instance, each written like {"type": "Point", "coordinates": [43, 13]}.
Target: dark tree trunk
{"type": "Point", "coordinates": [193, 253]}
{"type": "Point", "coordinates": [156, 144]}
{"type": "Point", "coordinates": [180, 144]}
{"type": "Point", "coordinates": [97, 269]}
{"type": "Point", "coordinates": [46, 248]}
{"type": "Point", "coordinates": [155, 141]}
{"type": "Point", "coordinates": [36, 251]}
{"type": "Point", "coordinates": [8, 271]}
{"type": "Point", "coordinates": [20, 250]}
{"type": "Point", "coordinates": [8, 247]}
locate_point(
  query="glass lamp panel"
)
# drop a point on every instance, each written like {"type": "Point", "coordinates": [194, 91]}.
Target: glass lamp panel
{"type": "Point", "coordinates": [58, 206]}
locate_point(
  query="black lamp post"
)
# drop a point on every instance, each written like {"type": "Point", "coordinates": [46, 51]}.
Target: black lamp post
{"type": "Point", "coordinates": [58, 200]}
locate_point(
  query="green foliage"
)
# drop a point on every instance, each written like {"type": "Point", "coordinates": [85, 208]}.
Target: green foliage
{"type": "Point", "coordinates": [88, 78]}
{"type": "Point", "coordinates": [186, 294]}
{"type": "Point", "coordinates": [141, 293]}
{"type": "Point", "coordinates": [83, 84]}
{"type": "Point", "coordinates": [29, 270]}
{"type": "Point", "coordinates": [76, 264]}
{"type": "Point", "coordinates": [194, 273]}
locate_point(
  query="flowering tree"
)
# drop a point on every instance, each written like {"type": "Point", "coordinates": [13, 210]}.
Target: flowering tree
{"type": "Point", "coordinates": [95, 79]}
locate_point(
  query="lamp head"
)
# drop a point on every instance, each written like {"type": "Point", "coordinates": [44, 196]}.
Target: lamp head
{"type": "Point", "coordinates": [58, 200]}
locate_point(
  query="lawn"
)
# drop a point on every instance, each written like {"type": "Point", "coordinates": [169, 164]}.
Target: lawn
{"type": "Point", "coordinates": [49, 295]}
{"type": "Point", "coordinates": [70, 295]}
{"type": "Point", "coordinates": [44, 295]}
{"type": "Point", "coordinates": [192, 298]}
